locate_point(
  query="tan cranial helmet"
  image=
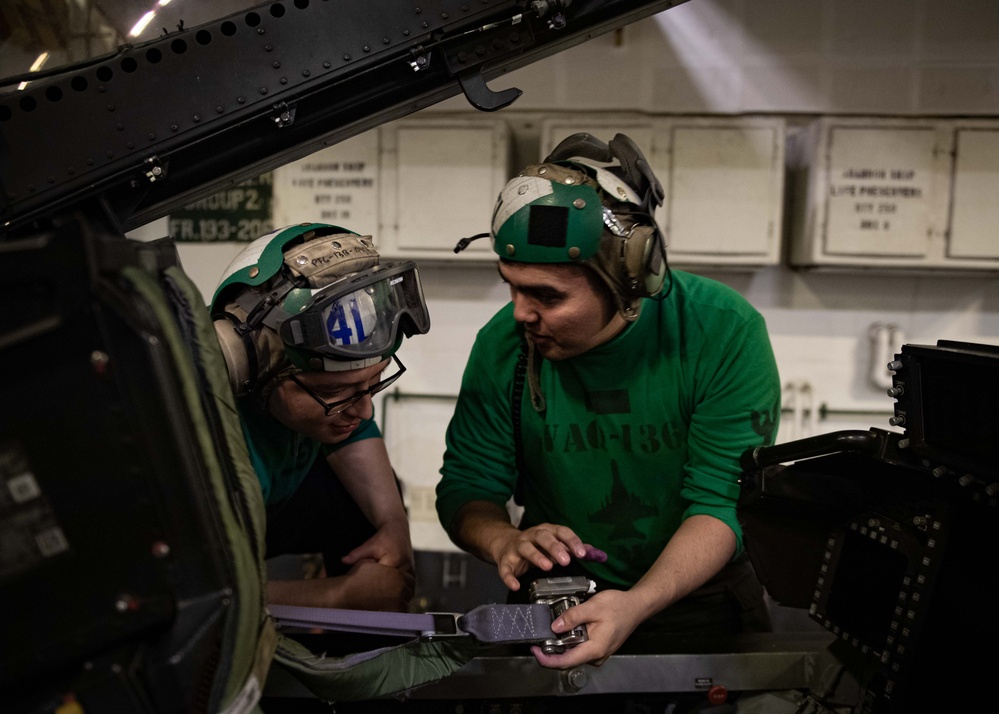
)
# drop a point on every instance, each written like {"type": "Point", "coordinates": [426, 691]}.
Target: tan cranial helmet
{"type": "Point", "coordinates": [313, 297]}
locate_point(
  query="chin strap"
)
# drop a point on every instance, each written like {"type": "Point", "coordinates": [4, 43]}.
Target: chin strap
{"type": "Point", "coordinates": [614, 326]}
{"type": "Point", "coordinates": [534, 361]}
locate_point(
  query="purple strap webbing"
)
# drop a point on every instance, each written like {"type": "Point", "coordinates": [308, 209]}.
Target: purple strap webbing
{"type": "Point", "coordinates": [486, 623]}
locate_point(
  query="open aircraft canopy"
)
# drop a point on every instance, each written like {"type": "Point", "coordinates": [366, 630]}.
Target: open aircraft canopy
{"type": "Point", "coordinates": [197, 102]}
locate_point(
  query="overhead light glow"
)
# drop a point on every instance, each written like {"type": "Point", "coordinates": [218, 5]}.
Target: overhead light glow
{"type": "Point", "coordinates": [39, 61]}
{"type": "Point", "coordinates": [141, 24]}
{"type": "Point", "coordinates": [35, 66]}
{"type": "Point", "coordinates": [720, 60]}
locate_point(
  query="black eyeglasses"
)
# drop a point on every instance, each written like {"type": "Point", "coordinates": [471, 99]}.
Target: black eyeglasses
{"type": "Point", "coordinates": [344, 404]}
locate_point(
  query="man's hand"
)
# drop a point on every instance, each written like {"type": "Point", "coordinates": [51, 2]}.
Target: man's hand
{"type": "Point", "coordinates": [610, 617]}
{"type": "Point", "coordinates": [366, 586]}
{"type": "Point", "coordinates": [389, 546]}
{"type": "Point", "coordinates": [699, 549]}
{"type": "Point", "coordinates": [484, 529]}
{"type": "Point", "coordinates": [370, 586]}
{"type": "Point", "coordinates": [515, 551]}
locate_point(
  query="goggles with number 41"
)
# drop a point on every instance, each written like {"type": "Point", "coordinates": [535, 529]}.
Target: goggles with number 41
{"type": "Point", "coordinates": [361, 315]}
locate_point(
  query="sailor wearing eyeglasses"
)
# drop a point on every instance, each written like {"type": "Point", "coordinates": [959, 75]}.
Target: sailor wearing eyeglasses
{"type": "Point", "coordinates": [309, 322]}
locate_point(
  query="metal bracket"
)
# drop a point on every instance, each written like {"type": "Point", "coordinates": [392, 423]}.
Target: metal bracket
{"type": "Point", "coordinates": [557, 20]}
{"type": "Point", "coordinates": [480, 96]}
{"type": "Point", "coordinates": [284, 115]}
{"type": "Point", "coordinates": [466, 57]}
{"type": "Point", "coordinates": [421, 58]}
{"type": "Point", "coordinates": [155, 171]}
{"type": "Point", "coordinates": [445, 626]}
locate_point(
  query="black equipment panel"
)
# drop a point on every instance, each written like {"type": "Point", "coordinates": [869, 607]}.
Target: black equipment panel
{"type": "Point", "coordinates": [946, 399]}
{"type": "Point", "coordinates": [889, 539]}
{"type": "Point", "coordinates": [110, 552]}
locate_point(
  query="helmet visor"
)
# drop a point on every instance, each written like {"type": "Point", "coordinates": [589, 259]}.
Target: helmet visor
{"type": "Point", "coordinates": [360, 316]}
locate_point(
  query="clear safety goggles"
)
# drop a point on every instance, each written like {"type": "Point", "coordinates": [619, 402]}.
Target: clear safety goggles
{"type": "Point", "coordinates": [360, 316]}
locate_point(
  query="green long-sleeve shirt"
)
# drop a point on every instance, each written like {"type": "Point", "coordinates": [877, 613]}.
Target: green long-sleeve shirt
{"type": "Point", "coordinates": [638, 433]}
{"type": "Point", "coordinates": [281, 456]}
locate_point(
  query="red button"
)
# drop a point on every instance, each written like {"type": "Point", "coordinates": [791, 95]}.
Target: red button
{"type": "Point", "coordinates": [717, 694]}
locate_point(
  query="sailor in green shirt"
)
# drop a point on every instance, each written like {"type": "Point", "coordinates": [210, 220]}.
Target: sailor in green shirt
{"type": "Point", "coordinates": [309, 323]}
{"type": "Point", "coordinates": [641, 387]}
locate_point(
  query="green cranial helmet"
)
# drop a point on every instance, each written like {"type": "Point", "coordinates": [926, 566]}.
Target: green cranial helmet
{"type": "Point", "coordinates": [548, 214]}
{"type": "Point", "coordinates": [313, 297]}
{"type": "Point", "coordinates": [588, 203]}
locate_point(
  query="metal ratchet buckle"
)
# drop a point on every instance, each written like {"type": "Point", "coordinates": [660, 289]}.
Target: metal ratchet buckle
{"type": "Point", "coordinates": [445, 625]}
{"type": "Point", "coordinates": [560, 594]}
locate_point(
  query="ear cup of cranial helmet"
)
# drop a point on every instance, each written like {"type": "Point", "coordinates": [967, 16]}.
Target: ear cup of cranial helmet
{"type": "Point", "coordinates": [643, 262]}
{"type": "Point", "coordinates": [240, 355]}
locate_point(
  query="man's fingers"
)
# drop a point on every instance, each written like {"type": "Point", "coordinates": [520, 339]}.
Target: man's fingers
{"type": "Point", "coordinates": [573, 617]}
{"type": "Point", "coordinates": [541, 546]}
{"type": "Point", "coordinates": [510, 568]}
{"type": "Point", "coordinates": [572, 543]}
{"type": "Point", "coordinates": [511, 582]}
{"type": "Point", "coordinates": [559, 542]}
{"type": "Point", "coordinates": [528, 550]}
{"type": "Point", "coordinates": [569, 659]}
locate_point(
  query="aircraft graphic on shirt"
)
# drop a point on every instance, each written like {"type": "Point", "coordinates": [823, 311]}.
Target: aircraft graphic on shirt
{"type": "Point", "coordinates": [764, 424]}
{"type": "Point", "coordinates": [621, 509]}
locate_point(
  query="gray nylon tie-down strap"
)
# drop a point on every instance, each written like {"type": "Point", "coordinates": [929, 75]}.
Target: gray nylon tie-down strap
{"type": "Point", "coordinates": [508, 623]}
{"type": "Point", "coordinates": [494, 624]}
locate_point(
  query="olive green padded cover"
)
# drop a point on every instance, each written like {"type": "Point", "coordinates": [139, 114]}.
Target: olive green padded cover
{"type": "Point", "coordinates": [250, 637]}
{"type": "Point", "coordinates": [252, 642]}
